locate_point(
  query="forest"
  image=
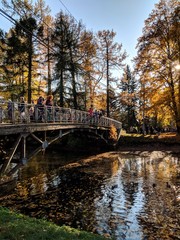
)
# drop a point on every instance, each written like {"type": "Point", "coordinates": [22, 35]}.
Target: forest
{"type": "Point", "coordinates": [43, 55]}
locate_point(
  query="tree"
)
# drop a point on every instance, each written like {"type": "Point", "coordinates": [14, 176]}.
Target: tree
{"type": "Point", "coordinates": [128, 98]}
{"type": "Point", "coordinates": [61, 53]}
{"type": "Point", "coordinates": [68, 42]}
{"type": "Point", "coordinates": [3, 75]}
{"type": "Point", "coordinates": [111, 56]}
{"type": "Point", "coordinates": [90, 68]}
{"type": "Point", "coordinates": [49, 50]}
{"type": "Point", "coordinates": [158, 51]}
{"type": "Point", "coordinates": [27, 30]}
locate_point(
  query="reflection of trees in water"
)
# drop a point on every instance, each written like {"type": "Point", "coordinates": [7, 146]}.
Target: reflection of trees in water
{"type": "Point", "coordinates": [140, 191]}
{"type": "Point", "coordinates": [77, 191]}
{"type": "Point", "coordinates": [122, 200]}
{"type": "Point", "coordinates": [161, 189]}
{"type": "Point", "coordinates": [119, 197]}
{"type": "Point", "coordinates": [129, 175]}
{"type": "Point", "coordinates": [65, 197]}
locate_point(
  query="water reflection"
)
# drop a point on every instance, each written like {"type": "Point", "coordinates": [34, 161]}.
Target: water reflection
{"type": "Point", "coordinates": [122, 195]}
{"type": "Point", "coordinates": [122, 201]}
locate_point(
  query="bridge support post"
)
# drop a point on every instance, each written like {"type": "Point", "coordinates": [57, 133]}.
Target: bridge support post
{"type": "Point", "coordinates": [24, 157]}
{"type": "Point", "coordinates": [60, 133]}
{"type": "Point", "coordinates": [8, 160]}
{"type": "Point", "coordinates": [45, 145]}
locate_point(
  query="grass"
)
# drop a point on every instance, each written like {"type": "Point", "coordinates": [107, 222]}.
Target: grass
{"type": "Point", "coordinates": [14, 226]}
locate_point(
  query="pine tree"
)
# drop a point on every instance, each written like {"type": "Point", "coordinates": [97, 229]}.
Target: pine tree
{"type": "Point", "coordinates": [69, 39]}
{"type": "Point", "coordinates": [128, 99]}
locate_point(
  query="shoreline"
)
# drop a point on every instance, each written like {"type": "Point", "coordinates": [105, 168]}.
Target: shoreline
{"type": "Point", "coordinates": [136, 142]}
{"type": "Point", "coordinates": [150, 147]}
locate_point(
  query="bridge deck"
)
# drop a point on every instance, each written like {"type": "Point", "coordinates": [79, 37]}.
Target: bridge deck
{"type": "Point", "coordinates": [7, 129]}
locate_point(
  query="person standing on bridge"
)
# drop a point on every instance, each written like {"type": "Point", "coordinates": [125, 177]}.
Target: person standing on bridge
{"type": "Point", "coordinates": [90, 113]}
{"type": "Point", "coordinates": [49, 105]}
{"type": "Point", "coordinates": [31, 111]}
{"type": "Point", "coordinates": [10, 109]}
{"type": "Point", "coordinates": [21, 108]}
{"type": "Point", "coordinates": [1, 114]}
{"type": "Point", "coordinates": [40, 108]}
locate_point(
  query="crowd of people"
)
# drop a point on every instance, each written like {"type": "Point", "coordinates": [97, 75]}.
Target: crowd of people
{"type": "Point", "coordinates": [41, 109]}
{"type": "Point", "coordinates": [95, 114]}
{"type": "Point", "coordinates": [41, 102]}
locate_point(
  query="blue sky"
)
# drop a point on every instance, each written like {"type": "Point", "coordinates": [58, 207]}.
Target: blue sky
{"type": "Point", "coordinates": [125, 17]}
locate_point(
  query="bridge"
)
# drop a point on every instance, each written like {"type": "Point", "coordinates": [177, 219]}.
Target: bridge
{"type": "Point", "coordinates": [47, 124]}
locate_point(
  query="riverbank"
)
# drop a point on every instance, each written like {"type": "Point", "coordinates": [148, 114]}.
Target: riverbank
{"type": "Point", "coordinates": [138, 142]}
{"type": "Point", "coordinates": [17, 226]}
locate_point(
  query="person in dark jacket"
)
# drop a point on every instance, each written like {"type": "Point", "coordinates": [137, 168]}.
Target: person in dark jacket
{"type": "Point", "coordinates": [49, 105]}
{"type": "Point", "coordinates": [9, 108]}
{"type": "Point", "coordinates": [40, 107]}
{"type": "Point", "coordinates": [21, 108]}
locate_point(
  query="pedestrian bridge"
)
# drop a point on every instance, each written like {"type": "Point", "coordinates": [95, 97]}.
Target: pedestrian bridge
{"type": "Point", "coordinates": [46, 124]}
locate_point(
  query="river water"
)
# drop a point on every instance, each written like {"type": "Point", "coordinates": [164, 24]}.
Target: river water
{"type": "Point", "coordinates": [123, 195]}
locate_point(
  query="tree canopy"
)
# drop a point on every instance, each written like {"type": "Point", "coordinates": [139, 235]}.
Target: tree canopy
{"type": "Point", "coordinates": [42, 55]}
{"type": "Point", "coordinates": [158, 54]}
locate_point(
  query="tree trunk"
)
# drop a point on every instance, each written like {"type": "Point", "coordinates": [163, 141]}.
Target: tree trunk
{"type": "Point", "coordinates": [49, 70]}
{"type": "Point", "coordinates": [74, 90]}
{"type": "Point", "coordinates": [30, 68]}
{"type": "Point", "coordinates": [178, 126]}
{"type": "Point", "coordinates": [61, 96]}
{"type": "Point", "coordinates": [107, 73]}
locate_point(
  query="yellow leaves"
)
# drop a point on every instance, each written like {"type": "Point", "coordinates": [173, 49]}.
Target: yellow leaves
{"type": "Point", "coordinates": [106, 235]}
{"type": "Point", "coordinates": [113, 133]}
{"type": "Point", "coordinates": [23, 191]}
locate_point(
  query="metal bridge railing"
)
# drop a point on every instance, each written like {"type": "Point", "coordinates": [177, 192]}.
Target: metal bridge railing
{"type": "Point", "coordinates": [10, 114]}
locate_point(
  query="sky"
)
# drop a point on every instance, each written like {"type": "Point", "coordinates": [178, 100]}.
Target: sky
{"type": "Point", "coordinates": [125, 17]}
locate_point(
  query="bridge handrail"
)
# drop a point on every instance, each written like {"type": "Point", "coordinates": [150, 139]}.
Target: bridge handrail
{"type": "Point", "coordinates": [34, 113]}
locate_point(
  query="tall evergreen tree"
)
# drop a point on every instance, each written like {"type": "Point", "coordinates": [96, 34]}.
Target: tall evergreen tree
{"type": "Point", "coordinates": [68, 57]}
{"type": "Point", "coordinates": [61, 53]}
{"type": "Point", "coordinates": [128, 98]}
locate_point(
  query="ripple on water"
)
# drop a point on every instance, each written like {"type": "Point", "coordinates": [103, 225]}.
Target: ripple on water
{"type": "Point", "coordinates": [132, 198]}
{"type": "Point", "coordinates": [126, 194]}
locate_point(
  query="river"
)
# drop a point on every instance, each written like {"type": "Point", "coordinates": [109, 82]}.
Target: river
{"type": "Point", "coordinates": [124, 195]}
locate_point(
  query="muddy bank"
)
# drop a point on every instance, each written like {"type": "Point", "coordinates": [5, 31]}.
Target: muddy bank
{"type": "Point", "coordinates": [150, 147]}
{"type": "Point", "coordinates": [163, 142]}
